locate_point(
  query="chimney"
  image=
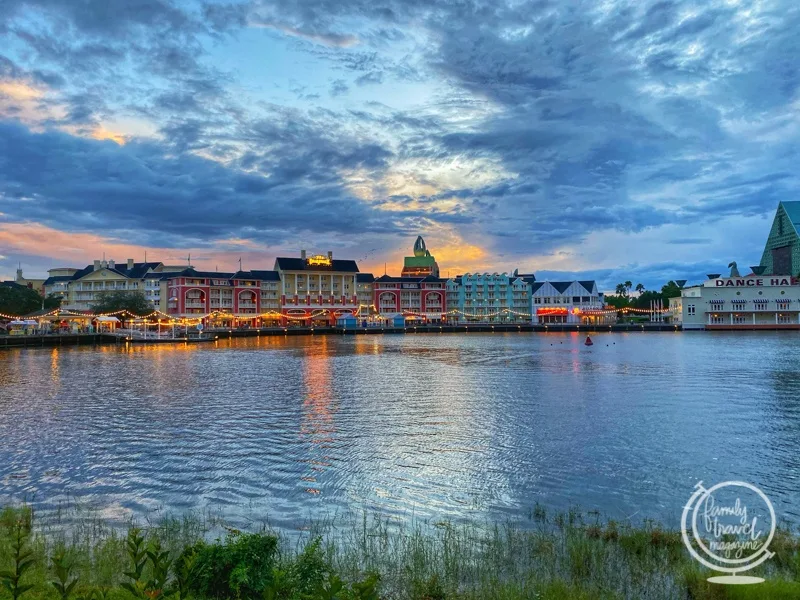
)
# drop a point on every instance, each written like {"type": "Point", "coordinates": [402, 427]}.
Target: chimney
{"type": "Point", "coordinates": [303, 254]}
{"type": "Point", "coordinates": [130, 264]}
{"type": "Point", "coordinates": [330, 255]}
{"type": "Point", "coordinates": [111, 264]}
{"type": "Point", "coordinates": [97, 265]}
{"type": "Point", "coordinates": [104, 264]}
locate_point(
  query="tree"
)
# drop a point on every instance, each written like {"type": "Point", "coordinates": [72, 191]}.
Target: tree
{"type": "Point", "coordinates": [621, 290]}
{"type": "Point", "coordinates": [670, 290]}
{"type": "Point", "coordinates": [639, 288]}
{"type": "Point", "coordinates": [628, 286]}
{"type": "Point", "coordinates": [112, 301]}
{"type": "Point", "coordinates": [18, 300]}
{"type": "Point", "coordinates": [618, 301]}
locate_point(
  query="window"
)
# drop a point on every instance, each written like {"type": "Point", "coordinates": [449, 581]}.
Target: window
{"type": "Point", "coordinates": [690, 310]}
{"type": "Point", "coordinates": [547, 300]}
{"type": "Point", "coordinates": [576, 299]}
{"type": "Point", "coordinates": [784, 319]}
{"type": "Point", "coordinates": [783, 306]}
{"type": "Point", "coordinates": [717, 320]}
{"type": "Point", "coordinates": [739, 320]}
{"type": "Point", "coordinates": [537, 300]}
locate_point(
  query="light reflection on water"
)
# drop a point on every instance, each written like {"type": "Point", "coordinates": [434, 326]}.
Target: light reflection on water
{"type": "Point", "coordinates": [423, 426]}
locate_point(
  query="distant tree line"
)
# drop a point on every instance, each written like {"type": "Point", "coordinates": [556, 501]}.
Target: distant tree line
{"type": "Point", "coordinates": [643, 297]}
{"type": "Point", "coordinates": [17, 300]}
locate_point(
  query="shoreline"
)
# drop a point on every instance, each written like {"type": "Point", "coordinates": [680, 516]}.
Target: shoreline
{"type": "Point", "coordinates": [37, 341]}
{"type": "Point", "coordinates": [563, 555]}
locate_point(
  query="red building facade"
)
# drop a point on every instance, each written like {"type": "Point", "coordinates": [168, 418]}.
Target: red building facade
{"type": "Point", "coordinates": [415, 298]}
{"type": "Point", "coordinates": [248, 296]}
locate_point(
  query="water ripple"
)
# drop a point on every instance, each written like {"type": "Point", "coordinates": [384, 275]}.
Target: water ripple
{"type": "Point", "coordinates": [435, 426]}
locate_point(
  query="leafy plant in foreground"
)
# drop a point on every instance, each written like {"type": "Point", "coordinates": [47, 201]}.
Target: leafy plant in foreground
{"type": "Point", "coordinates": [160, 562]}
{"type": "Point", "coordinates": [182, 571]}
{"type": "Point", "coordinates": [137, 552]}
{"type": "Point", "coordinates": [242, 567]}
{"type": "Point", "coordinates": [62, 569]}
{"type": "Point", "coordinates": [20, 531]}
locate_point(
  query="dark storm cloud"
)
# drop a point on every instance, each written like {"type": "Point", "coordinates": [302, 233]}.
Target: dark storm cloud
{"type": "Point", "coordinates": [53, 177]}
{"type": "Point", "coordinates": [104, 17]}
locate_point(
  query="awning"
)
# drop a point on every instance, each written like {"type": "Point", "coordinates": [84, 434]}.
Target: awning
{"type": "Point", "coordinates": [107, 319]}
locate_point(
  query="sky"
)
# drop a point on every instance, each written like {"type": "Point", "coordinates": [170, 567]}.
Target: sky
{"type": "Point", "coordinates": [615, 140]}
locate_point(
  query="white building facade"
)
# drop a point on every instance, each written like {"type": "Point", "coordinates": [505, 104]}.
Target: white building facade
{"type": "Point", "coordinates": [750, 302]}
{"type": "Point", "coordinates": [554, 302]}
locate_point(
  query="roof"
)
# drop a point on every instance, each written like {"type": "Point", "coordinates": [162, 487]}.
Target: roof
{"type": "Point", "coordinates": [57, 279]}
{"type": "Point", "coordinates": [419, 261]}
{"type": "Point", "coordinates": [536, 285]}
{"type": "Point", "coordinates": [793, 211]}
{"type": "Point", "coordinates": [365, 278]}
{"type": "Point", "coordinates": [266, 275]}
{"type": "Point", "coordinates": [11, 284]}
{"type": "Point", "coordinates": [298, 264]}
{"type": "Point", "coordinates": [588, 285]}
{"type": "Point", "coordinates": [561, 286]}
{"type": "Point", "coordinates": [426, 279]}
{"type": "Point", "coordinates": [255, 275]}
{"type": "Point", "coordinates": [395, 279]}
{"type": "Point", "coordinates": [138, 271]}
{"type": "Point", "coordinates": [192, 272]}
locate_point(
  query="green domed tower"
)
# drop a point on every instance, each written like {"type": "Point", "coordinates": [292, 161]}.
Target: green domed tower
{"type": "Point", "coordinates": [422, 263]}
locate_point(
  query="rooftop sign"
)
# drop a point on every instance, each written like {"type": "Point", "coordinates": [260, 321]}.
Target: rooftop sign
{"type": "Point", "coordinates": [318, 260]}
{"type": "Point", "coordinates": [776, 281]}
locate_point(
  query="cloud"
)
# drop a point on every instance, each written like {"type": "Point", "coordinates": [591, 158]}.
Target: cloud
{"type": "Point", "coordinates": [338, 88]}
{"type": "Point", "coordinates": [289, 186]}
{"type": "Point", "coordinates": [528, 128]}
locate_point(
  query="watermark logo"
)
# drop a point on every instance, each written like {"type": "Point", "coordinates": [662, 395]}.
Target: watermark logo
{"type": "Point", "coordinates": [728, 528]}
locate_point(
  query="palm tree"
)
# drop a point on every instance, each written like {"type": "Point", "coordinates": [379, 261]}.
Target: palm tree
{"type": "Point", "coordinates": [628, 285]}
{"type": "Point", "coordinates": [620, 289]}
{"type": "Point", "coordinates": [639, 288]}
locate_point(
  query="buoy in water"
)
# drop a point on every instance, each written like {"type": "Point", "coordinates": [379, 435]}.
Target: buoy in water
{"type": "Point", "coordinates": [588, 341]}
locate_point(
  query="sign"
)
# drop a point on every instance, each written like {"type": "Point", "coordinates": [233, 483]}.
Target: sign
{"type": "Point", "coordinates": [199, 327]}
{"type": "Point", "coordinates": [731, 525]}
{"type": "Point", "coordinates": [552, 311]}
{"type": "Point", "coordinates": [318, 260]}
{"type": "Point", "coordinates": [775, 281]}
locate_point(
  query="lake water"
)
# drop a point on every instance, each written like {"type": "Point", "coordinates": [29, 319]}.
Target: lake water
{"type": "Point", "coordinates": [412, 426]}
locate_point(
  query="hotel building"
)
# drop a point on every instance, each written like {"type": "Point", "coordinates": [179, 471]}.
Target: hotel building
{"type": "Point", "coordinates": [420, 299]}
{"type": "Point", "coordinates": [766, 298]}
{"type": "Point", "coordinates": [488, 298]}
{"type": "Point", "coordinates": [225, 298]}
{"type": "Point", "coordinates": [365, 284]}
{"type": "Point", "coordinates": [82, 289]}
{"type": "Point", "coordinates": [422, 263]}
{"type": "Point", "coordinates": [317, 289]}
{"type": "Point", "coordinates": [34, 284]}
{"type": "Point", "coordinates": [566, 302]}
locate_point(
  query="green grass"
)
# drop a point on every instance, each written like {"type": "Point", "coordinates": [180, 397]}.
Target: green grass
{"type": "Point", "coordinates": [563, 556]}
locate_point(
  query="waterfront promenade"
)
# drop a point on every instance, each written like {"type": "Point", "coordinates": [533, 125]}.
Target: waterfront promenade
{"type": "Point", "coordinates": [28, 341]}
